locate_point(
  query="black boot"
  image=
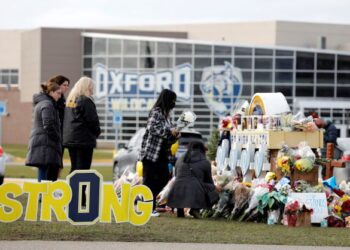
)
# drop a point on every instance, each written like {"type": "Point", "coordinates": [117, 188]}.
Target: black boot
{"type": "Point", "coordinates": [180, 213]}
{"type": "Point", "coordinates": [195, 213]}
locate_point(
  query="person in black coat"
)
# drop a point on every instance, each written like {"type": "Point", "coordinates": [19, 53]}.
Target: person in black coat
{"type": "Point", "coordinates": [63, 82]}
{"type": "Point", "coordinates": [45, 147]}
{"type": "Point", "coordinates": [193, 175]}
{"type": "Point", "coordinates": [81, 126]}
{"type": "Point", "coordinates": [330, 135]}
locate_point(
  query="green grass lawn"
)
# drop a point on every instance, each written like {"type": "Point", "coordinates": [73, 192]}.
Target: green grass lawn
{"type": "Point", "coordinates": [169, 228]}
{"type": "Point", "coordinates": [20, 151]}
{"type": "Point", "coordinates": [32, 172]}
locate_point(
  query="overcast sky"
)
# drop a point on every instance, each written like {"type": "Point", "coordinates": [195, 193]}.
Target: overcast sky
{"type": "Point", "coordinates": [18, 14]}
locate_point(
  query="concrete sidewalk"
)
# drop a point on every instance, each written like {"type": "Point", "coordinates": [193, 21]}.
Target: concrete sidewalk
{"type": "Point", "coordinates": [84, 245]}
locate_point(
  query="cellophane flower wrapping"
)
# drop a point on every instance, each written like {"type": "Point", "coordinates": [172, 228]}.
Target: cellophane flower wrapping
{"type": "Point", "coordinates": [305, 157]}
{"type": "Point", "coordinates": [186, 119]}
{"type": "Point", "coordinates": [162, 197]}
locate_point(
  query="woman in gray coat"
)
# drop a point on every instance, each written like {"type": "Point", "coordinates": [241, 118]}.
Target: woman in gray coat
{"type": "Point", "coordinates": [45, 147]}
{"type": "Point", "coordinates": [193, 175]}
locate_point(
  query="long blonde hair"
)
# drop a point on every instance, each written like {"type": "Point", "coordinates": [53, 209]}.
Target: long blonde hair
{"type": "Point", "coordinates": [82, 87]}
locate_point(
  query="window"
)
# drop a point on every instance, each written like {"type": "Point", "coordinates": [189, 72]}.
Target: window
{"type": "Point", "coordinates": [222, 51]}
{"type": "Point", "coordinates": [262, 89]}
{"type": "Point", "coordinates": [181, 60]}
{"type": "Point", "coordinates": [282, 77]}
{"type": "Point", "coordinates": [147, 48]}
{"type": "Point", "coordinates": [325, 78]}
{"type": "Point", "coordinates": [343, 62]}
{"type": "Point", "coordinates": [324, 92]}
{"type": "Point", "coordinates": [305, 60]}
{"type": "Point", "coordinates": [114, 62]}
{"type": "Point", "coordinates": [130, 47]}
{"type": "Point", "coordinates": [130, 62]}
{"type": "Point", "coordinates": [263, 63]}
{"type": "Point", "coordinates": [285, 90]}
{"type": "Point", "coordinates": [343, 92]}
{"type": "Point", "coordinates": [240, 51]}
{"type": "Point", "coordinates": [221, 61]}
{"type": "Point", "coordinates": [284, 53]}
{"type": "Point", "coordinates": [8, 76]}
{"type": "Point", "coordinates": [325, 61]}
{"type": "Point", "coordinates": [247, 76]}
{"type": "Point", "coordinates": [88, 63]}
{"type": "Point", "coordinates": [244, 63]}
{"type": "Point", "coordinates": [202, 49]}
{"type": "Point", "coordinates": [114, 47]}
{"type": "Point", "coordinates": [165, 48]}
{"type": "Point", "coordinates": [87, 46]}
{"type": "Point", "coordinates": [263, 52]}
{"type": "Point", "coordinates": [302, 77]}
{"type": "Point", "coordinates": [282, 63]}
{"type": "Point", "coordinates": [183, 49]}
{"type": "Point", "coordinates": [263, 77]}
{"type": "Point", "coordinates": [343, 78]}
{"type": "Point", "coordinates": [165, 62]}
{"type": "Point", "coordinates": [100, 46]}
{"type": "Point", "coordinates": [202, 62]}
{"type": "Point", "coordinates": [304, 91]}
{"type": "Point", "coordinates": [246, 91]}
{"type": "Point", "coordinates": [147, 62]}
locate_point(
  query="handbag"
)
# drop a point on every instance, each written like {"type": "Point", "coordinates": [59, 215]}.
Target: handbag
{"type": "Point", "coordinates": [211, 195]}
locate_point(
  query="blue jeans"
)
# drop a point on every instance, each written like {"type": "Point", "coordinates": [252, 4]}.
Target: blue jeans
{"type": "Point", "coordinates": [42, 171]}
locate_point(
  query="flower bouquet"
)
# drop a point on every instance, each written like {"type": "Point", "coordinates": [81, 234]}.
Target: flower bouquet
{"type": "Point", "coordinates": [226, 123]}
{"type": "Point", "coordinates": [241, 197]}
{"type": "Point", "coordinates": [285, 164]}
{"type": "Point", "coordinates": [305, 158]}
{"type": "Point", "coordinates": [285, 159]}
{"type": "Point", "coordinates": [162, 197]}
{"type": "Point", "coordinates": [291, 210]}
{"type": "Point", "coordinates": [186, 119]}
{"type": "Point", "coordinates": [270, 205]}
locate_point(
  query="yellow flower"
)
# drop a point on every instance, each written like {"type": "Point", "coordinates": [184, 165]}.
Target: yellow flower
{"type": "Point", "coordinates": [337, 209]}
{"type": "Point", "coordinates": [344, 198]}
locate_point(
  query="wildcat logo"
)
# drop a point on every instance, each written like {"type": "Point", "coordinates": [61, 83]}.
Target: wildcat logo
{"type": "Point", "coordinates": [221, 86]}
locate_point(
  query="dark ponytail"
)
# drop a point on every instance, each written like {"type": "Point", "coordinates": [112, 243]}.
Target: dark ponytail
{"type": "Point", "coordinates": [49, 86]}
{"type": "Point", "coordinates": [59, 79]}
{"type": "Point", "coordinates": [193, 146]}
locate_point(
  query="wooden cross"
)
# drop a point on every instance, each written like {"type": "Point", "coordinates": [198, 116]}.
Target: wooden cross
{"type": "Point", "coordinates": [332, 163]}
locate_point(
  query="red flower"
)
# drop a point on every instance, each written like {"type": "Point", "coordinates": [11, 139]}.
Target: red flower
{"type": "Point", "coordinates": [338, 192]}
{"type": "Point", "coordinates": [345, 207]}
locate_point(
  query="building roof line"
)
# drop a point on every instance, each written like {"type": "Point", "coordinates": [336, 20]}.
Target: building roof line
{"type": "Point", "coordinates": [190, 41]}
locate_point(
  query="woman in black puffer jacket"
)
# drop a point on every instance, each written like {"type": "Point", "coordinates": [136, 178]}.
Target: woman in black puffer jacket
{"type": "Point", "coordinates": [45, 147]}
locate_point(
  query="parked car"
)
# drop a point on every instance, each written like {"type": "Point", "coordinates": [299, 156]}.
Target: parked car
{"type": "Point", "coordinates": [126, 158]}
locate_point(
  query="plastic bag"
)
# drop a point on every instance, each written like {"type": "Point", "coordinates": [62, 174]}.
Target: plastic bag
{"type": "Point", "coordinates": [304, 151]}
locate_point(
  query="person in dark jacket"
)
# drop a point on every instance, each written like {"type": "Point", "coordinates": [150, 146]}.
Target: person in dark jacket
{"type": "Point", "coordinates": [156, 143]}
{"type": "Point", "coordinates": [193, 175]}
{"type": "Point", "coordinates": [63, 82]}
{"type": "Point", "coordinates": [45, 147]}
{"type": "Point", "coordinates": [330, 135]}
{"type": "Point", "coordinates": [81, 126]}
